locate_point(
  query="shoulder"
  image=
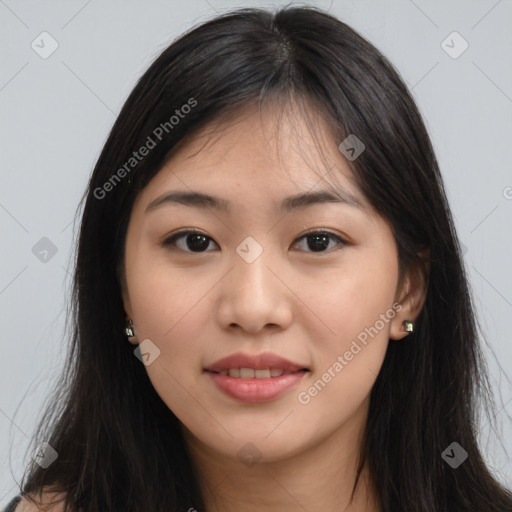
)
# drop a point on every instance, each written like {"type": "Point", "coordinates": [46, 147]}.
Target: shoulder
{"type": "Point", "coordinates": [48, 502]}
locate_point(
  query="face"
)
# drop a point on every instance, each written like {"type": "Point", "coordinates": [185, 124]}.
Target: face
{"type": "Point", "coordinates": [313, 282]}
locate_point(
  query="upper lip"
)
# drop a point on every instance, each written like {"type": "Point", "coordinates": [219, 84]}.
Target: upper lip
{"type": "Point", "coordinates": [256, 361]}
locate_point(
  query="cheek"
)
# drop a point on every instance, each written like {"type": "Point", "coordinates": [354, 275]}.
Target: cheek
{"type": "Point", "coordinates": [357, 310]}
{"type": "Point", "coordinates": [163, 296]}
{"type": "Point", "coordinates": [170, 310]}
{"type": "Point", "coordinates": [358, 293]}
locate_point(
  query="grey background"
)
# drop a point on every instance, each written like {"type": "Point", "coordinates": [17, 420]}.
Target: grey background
{"type": "Point", "coordinates": [55, 114]}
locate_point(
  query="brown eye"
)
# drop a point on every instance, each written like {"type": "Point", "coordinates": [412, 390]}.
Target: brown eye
{"type": "Point", "coordinates": [318, 241]}
{"type": "Point", "coordinates": [195, 241]}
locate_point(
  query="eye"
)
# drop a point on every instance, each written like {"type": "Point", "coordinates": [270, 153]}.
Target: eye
{"type": "Point", "coordinates": [319, 240]}
{"type": "Point", "coordinates": [196, 241]}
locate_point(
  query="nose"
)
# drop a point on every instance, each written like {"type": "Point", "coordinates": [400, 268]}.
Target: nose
{"type": "Point", "coordinates": [255, 297]}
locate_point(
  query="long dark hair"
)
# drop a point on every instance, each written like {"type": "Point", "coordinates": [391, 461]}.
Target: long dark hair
{"type": "Point", "coordinates": [119, 446]}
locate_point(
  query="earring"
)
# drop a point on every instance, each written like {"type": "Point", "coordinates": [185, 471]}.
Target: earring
{"type": "Point", "coordinates": [408, 325]}
{"type": "Point", "coordinates": [128, 329]}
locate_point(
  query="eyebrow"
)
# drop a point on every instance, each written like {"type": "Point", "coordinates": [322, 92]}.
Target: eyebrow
{"type": "Point", "coordinates": [200, 200]}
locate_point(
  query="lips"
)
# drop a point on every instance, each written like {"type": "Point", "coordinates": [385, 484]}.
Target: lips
{"type": "Point", "coordinates": [255, 378]}
{"type": "Point", "coordinates": [265, 361]}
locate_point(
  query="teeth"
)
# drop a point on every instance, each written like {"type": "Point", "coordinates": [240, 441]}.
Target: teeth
{"type": "Point", "coordinates": [246, 373]}
{"type": "Point", "coordinates": [251, 373]}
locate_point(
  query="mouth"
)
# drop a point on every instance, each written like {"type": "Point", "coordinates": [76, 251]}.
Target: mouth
{"type": "Point", "coordinates": [253, 378]}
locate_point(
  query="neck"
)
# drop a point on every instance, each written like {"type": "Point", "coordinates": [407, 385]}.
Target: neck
{"type": "Point", "coordinates": [320, 477]}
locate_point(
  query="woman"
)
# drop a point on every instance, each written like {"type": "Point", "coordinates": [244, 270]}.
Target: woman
{"type": "Point", "coordinates": [269, 293]}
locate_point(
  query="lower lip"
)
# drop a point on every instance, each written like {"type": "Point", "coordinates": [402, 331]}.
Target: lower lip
{"type": "Point", "coordinates": [256, 390]}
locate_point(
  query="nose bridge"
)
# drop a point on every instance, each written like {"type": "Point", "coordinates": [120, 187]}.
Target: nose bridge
{"type": "Point", "coordinates": [252, 276]}
{"type": "Point", "coordinates": [253, 296]}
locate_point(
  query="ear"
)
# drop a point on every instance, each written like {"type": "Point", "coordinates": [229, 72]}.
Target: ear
{"type": "Point", "coordinates": [411, 294]}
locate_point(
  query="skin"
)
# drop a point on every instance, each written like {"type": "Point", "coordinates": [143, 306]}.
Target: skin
{"type": "Point", "coordinates": [307, 306]}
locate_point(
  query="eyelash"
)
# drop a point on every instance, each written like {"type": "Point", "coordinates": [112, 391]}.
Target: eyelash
{"type": "Point", "coordinates": [167, 243]}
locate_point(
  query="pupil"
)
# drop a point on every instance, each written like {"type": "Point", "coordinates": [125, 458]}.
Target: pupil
{"type": "Point", "coordinates": [323, 245]}
{"type": "Point", "coordinates": [193, 245]}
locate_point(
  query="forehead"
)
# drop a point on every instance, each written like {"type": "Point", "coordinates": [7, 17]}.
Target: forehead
{"type": "Point", "coordinates": [269, 153]}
